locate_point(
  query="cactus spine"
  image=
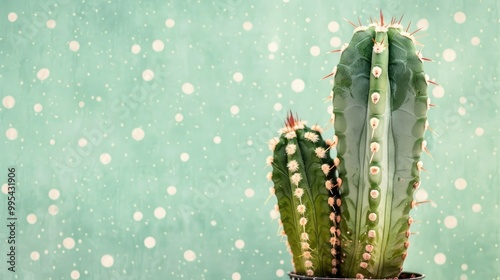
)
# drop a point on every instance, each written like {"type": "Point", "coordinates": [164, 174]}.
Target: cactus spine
{"type": "Point", "coordinates": [355, 221]}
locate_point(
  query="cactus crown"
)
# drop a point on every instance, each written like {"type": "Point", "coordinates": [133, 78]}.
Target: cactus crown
{"type": "Point", "coordinates": [349, 216]}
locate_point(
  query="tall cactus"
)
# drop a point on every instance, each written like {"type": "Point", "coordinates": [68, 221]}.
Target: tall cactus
{"type": "Point", "coordinates": [349, 216]}
{"type": "Point", "coordinates": [379, 105]}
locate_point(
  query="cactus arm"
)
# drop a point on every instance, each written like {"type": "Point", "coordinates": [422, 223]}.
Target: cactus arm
{"type": "Point", "coordinates": [300, 177]}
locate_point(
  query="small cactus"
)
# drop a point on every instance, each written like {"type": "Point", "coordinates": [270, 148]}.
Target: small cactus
{"type": "Point", "coordinates": [358, 226]}
{"type": "Point", "coordinates": [308, 200]}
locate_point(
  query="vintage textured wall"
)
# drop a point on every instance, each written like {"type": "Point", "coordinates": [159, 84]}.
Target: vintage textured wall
{"type": "Point", "coordinates": [138, 130]}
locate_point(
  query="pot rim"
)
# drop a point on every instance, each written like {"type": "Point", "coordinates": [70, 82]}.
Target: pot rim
{"type": "Point", "coordinates": [417, 276]}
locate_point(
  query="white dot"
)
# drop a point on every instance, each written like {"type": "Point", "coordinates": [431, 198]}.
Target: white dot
{"type": "Point", "coordinates": [81, 104]}
{"type": "Point", "coordinates": [149, 242]}
{"type": "Point", "coordinates": [464, 267]}
{"type": "Point", "coordinates": [335, 42]}
{"type": "Point", "coordinates": [148, 75]}
{"type": "Point", "coordinates": [135, 49]}
{"type": "Point", "coordinates": [158, 45]}
{"type": "Point", "coordinates": [11, 133]}
{"type": "Point", "coordinates": [12, 17]}
{"type": "Point", "coordinates": [247, 25]}
{"type": "Point", "coordinates": [476, 207]}
{"type": "Point", "coordinates": [138, 216]}
{"type": "Point", "coordinates": [460, 184]}
{"type": "Point", "coordinates": [333, 26]}
{"type": "Point", "coordinates": [450, 222]}
{"type": "Point", "coordinates": [74, 46]}
{"type": "Point", "coordinates": [459, 17]}
{"type": "Point", "coordinates": [421, 195]}
{"type": "Point", "coordinates": [35, 255]}
{"type": "Point", "coordinates": [187, 88]}
{"type": "Point", "coordinates": [170, 23]}
{"type": "Point", "coordinates": [31, 218]}
{"type": "Point", "coordinates": [69, 243]}
{"type": "Point", "coordinates": [463, 277]}
{"type": "Point", "coordinates": [278, 106]}
{"type": "Point", "coordinates": [107, 261]}
{"type": "Point", "coordinates": [298, 85]}
{"type": "Point", "coordinates": [240, 244]}
{"type": "Point", "coordinates": [274, 214]}
{"type": "Point", "coordinates": [475, 41]}
{"type": "Point", "coordinates": [236, 276]}
{"type": "Point", "coordinates": [179, 117]}
{"type": "Point", "coordinates": [43, 74]}
{"type": "Point", "coordinates": [38, 107]}
{"type": "Point", "coordinates": [438, 91]}
{"type": "Point", "coordinates": [171, 190]}
{"type": "Point", "coordinates": [160, 213]}
{"type": "Point", "coordinates": [189, 256]}
{"type": "Point", "coordinates": [280, 272]}
{"type": "Point", "coordinates": [271, 56]}
{"type": "Point", "coordinates": [105, 158]}
{"type": "Point", "coordinates": [5, 188]}
{"type": "Point", "coordinates": [51, 24]}
{"type": "Point", "coordinates": [75, 275]}
{"type": "Point", "coordinates": [423, 24]}
{"type": "Point", "coordinates": [315, 50]}
{"type": "Point", "coordinates": [184, 157]}
{"type": "Point", "coordinates": [238, 77]}
{"type": "Point", "coordinates": [462, 111]}
{"type": "Point", "coordinates": [217, 139]}
{"type": "Point", "coordinates": [234, 109]}
{"type": "Point", "coordinates": [53, 210]}
{"type": "Point", "coordinates": [329, 109]}
{"type": "Point", "coordinates": [249, 193]}
{"type": "Point", "coordinates": [213, 223]}
{"type": "Point", "coordinates": [449, 55]}
{"type": "Point", "coordinates": [8, 102]}
{"type": "Point", "coordinates": [52, 141]}
{"type": "Point", "coordinates": [82, 142]}
{"type": "Point", "coordinates": [440, 258]}
{"type": "Point", "coordinates": [462, 100]}
{"type": "Point", "coordinates": [138, 134]}
{"type": "Point", "coordinates": [54, 194]}
{"type": "Point", "coordinates": [273, 47]}
{"type": "Point", "coordinates": [479, 131]}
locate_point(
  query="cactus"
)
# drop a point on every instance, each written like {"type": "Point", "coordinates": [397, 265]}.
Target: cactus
{"type": "Point", "coordinates": [380, 106]}
{"type": "Point", "coordinates": [308, 198]}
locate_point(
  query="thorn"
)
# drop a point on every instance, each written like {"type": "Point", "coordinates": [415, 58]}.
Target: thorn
{"type": "Point", "coordinates": [371, 158]}
{"type": "Point", "coordinates": [433, 105]}
{"type": "Point", "coordinates": [334, 51]}
{"type": "Point", "coordinates": [415, 31]}
{"type": "Point", "coordinates": [408, 26]}
{"type": "Point", "coordinates": [432, 82]}
{"type": "Point", "coordinates": [359, 21]}
{"type": "Point", "coordinates": [393, 20]}
{"type": "Point", "coordinates": [381, 18]}
{"type": "Point", "coordinates": [429, 153]}
{"type": "Point", "coordinates": [327, 76]}
{"type": "Point", "coordinates": [371, 21]}
{"type": "Point", "coordinates": [399, 22]}
{"type": "Point", "coordinates": [422, 202]}
{"type": "Point", "coordinates": [432, 131]}
{"type": "Point", "coordinates": [328, 98]}
{"type": "Point", "coordinates": [427, 59]}
{"type": "Point", "coordinates": [351, 23]}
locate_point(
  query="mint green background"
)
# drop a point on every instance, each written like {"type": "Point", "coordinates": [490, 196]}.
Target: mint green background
{"type": "Point", "coordinates": [215, 199]}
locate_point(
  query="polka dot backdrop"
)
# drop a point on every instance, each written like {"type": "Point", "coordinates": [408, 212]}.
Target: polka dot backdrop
{"type": "Point", "coordinates": [138, 130]}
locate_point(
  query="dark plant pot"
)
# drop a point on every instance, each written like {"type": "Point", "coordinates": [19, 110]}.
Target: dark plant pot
{"type": "Point", "coordinates": [402, 276]}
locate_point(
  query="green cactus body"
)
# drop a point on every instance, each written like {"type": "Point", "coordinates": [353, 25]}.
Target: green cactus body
{"type": "Point", "coordinates": [304, 183]}
{"type": "Point", "coordinates": [379, 104]}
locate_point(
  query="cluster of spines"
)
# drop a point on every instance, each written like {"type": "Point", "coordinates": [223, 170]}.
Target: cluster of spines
{"type": "Point", "coordinates": [310, 193]}
{"type": "Point", "coordinates": [378, 103]}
